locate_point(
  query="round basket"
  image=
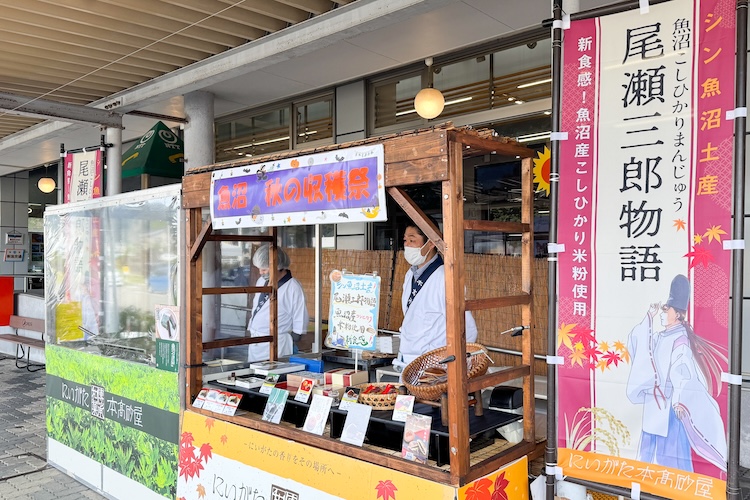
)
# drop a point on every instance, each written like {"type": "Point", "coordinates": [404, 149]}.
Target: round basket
{"type": "Point", "coordinates": [378, 401]}
{"type": "Point", "coordinates": [476, 365]}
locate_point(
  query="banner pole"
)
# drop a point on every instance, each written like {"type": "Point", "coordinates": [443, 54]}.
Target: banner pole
{"type": "Point", "coordinates": [738, 233]}
{"type": "Point", "coordinates": [550, 452]}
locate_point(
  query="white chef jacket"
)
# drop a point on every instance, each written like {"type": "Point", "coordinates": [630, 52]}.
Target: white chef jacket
{"type": "Point", "coordinates": [292, 317]}
{"type": "Point", "coordinates": [424, 325]}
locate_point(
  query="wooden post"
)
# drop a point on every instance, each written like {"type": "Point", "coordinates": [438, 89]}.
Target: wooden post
{"type": "Point", "coordinates": [453, 236]}
{"type": "Point", "coordinates": [527, 280]}
{"type": "Point", "coordinates": [194, 308]}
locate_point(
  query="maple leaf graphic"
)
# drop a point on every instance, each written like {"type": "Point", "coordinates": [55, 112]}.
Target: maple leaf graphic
{"type": "Point", "coordinates": [500, 484]}
{"type": "Point", "coordinates": [210, 423]}
{"type": "Point", "coordinates": [714, 233]}
{"type": "Point", "coordinates": [611, 357]}
{"type": "Point", "coordinates": [602, 365]}
{"type": "Point", "coordinates": [386, 489]}
{"type": "Point", "coordinates": [201, 491]}
{"type": "Point", "coordinates": [678, 224]}
{"type": "Point", "coordinates": [699, 256]}
{"type": "Point", "coordinates": [697, 239]}
{"type": "Point", "coordinates": [603, 346]}
{"type": "Point", "coordinates": [223, 439]}
{"type": "Point", "coordinates": [584, 335]}
{"type": "Point", "coordinates": [592, 354]}
{"type": "Point", "coordinates": [578, 346]}
{"type": "Point", "coordinates": [619, 346]}
{"type": "Point", "coordinates": [205, 452]}
{"type": "Point", "coordinates": [186, 439]}
{"type": "Point", "coordinates": [480, 490]}
{"type": "Point", "coordinates": [564, 335]}
{"type": "Point", "coordinates": [577, 357]}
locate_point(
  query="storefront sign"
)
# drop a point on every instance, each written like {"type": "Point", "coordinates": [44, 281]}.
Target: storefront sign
{"type": "Point", "coordinates": [646, 190]}
{"type": "Point", "coordinates": [220, 460]}
{"type": "Point", "coordinates": [83, 175]}
{"type": "Point", "coordinates": [353, 317]}
{"type": "Point", "coordinates": [345, 185]}
{"type": "Point", "coordinates": [14, 238]}
{"type": "Point", "coordinates": [13, 255]}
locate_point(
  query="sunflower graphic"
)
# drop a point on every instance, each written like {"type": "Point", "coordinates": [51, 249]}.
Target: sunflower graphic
{"type": "Point", "coordinates": [541, 170]}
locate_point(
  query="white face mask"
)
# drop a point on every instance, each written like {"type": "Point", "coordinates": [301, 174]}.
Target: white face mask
{"type": "Point", "coordinates": [414, 255]}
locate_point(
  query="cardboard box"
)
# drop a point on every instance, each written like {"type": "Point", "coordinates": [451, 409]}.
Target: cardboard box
{"type": "Point", "coordinates": [346, 377]}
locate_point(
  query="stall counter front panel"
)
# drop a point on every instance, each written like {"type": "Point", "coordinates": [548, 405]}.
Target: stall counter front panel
{"type": "Point", "coordinates": [220, 460]}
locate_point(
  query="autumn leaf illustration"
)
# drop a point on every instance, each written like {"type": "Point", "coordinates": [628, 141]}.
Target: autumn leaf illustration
{"type": "Point", "coordinates": [714, 233]}
{"type": "Point", "coordinates": [697, 239]}
{"type": "Point", "coordinates": [611, 357]}
{"type": "Point", "coordinates": [205, 452]}
{"type": "Point", "coordinates": [386, 490]}
{"type": "Point", "coordinates": [603, 346]}
{"type": "Point", "coordinates": [186, 439]}
{"type": "Point", "coordinates": [564, 335]}
{"type": "Point", "coordinates": [602, 365]}
{"type": "Point", "coordinates": [625, 355]}
{"type": "Point", "coordinates": [584, 335]}
{"type": "Point", "coordinates": [619, 346]}
{"type": "Point", "coordinates": [699, 256]}
{"type": "Point", "coordinates": [201, 491]}
{"type": "Point", "coordinates": [592, 354]}
{"type": "Point", "coordinates": [679, 224]}
{"type": "Point", "coordinates": [500, 484]}
{"type": "Point", "coordinates": [577, 357]}
{"type": "Point", "coordinates": [223, 439]}
{"type": "Point", "coordinates": [210, 423]}
{"type": "Point", "coordinates": [480, 490]}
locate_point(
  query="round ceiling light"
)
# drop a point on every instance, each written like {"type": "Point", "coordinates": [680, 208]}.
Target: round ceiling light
{"type": "Point", "coordinates": [429, 103]}
{"type": "Point", "coordinates": [46, 184]}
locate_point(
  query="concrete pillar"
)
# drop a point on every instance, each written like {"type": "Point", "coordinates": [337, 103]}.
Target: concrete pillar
{"type": "Point", "coordinates": [199, 130]}
{"type": "Point", "coordinates": [199, 151]}
{"type": "Point", "coordinates": [114, 161]}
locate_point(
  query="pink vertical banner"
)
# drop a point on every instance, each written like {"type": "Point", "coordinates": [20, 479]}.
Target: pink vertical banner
{"type": "Point", "coordinates": [643, 298]}
{"type": "Point", "coordinates": [83, 175]}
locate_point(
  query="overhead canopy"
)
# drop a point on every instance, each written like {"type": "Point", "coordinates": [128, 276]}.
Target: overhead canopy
{"type": "Point", "coordinates": [159, 152]}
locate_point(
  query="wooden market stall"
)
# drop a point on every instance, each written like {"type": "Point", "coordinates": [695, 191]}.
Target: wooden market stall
{"type": "Point", "coordinates": [423, 156]}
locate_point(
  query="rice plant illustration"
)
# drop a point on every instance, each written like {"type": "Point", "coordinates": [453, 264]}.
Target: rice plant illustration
{"type": "Point", "coordinates": [595, 426]}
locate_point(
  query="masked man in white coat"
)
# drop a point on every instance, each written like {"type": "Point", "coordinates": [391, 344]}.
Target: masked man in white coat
{"type": "Point", "coordinates": [292, 310]}
{"type": "Point", "coordinates": [423, 300]}
{"type": "Point", "coordinates": [672, 375]}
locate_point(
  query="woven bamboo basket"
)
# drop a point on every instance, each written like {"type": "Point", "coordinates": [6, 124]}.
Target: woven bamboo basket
{"type": "Point", "coordinates": [476, 365]}
{"type": "Point", "coordinates": [379, 401]}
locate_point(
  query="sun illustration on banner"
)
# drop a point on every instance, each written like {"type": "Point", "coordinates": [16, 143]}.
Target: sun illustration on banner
{"type": "Point", "coordinates": [579, 346]}
{"type": "Point", "coordinates": [386, 490]}
{"type": "Point", "coordinates": [541, 170]}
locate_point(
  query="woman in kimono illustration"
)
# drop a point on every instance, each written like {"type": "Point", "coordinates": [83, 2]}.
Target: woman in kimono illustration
{"type": "Point", "coordinates": [673, 375]}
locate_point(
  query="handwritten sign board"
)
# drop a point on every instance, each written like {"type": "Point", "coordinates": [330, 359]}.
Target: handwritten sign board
{"type": "Point", "coordinates": [353, 318]}
{"type": "Point", "coordinates": [344, 185]}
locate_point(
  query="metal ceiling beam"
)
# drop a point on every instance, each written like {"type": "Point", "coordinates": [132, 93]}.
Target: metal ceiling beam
{"type": "Point", "coordinates": [42, 108]}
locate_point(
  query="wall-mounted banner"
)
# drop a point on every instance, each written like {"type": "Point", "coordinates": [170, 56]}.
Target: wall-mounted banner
{"type": "Point", "coordinates": [343, 185]}
{"type": "Point", "coordinates": [83, 175]}
{"type": "Point", "coordinates": [646, 192]}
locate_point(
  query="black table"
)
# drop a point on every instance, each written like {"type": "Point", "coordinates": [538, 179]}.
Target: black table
{"type": "Point", "coordinates": [382, 431]}
{"type": "Point", "coordinates": [386, 433]}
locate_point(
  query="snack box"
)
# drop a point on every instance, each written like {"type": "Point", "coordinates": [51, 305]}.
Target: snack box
{"type": "Point", "coordinates": [346, 377]}
{"type": "Point", "coordinates": [295, 379]}
{"type": "Point", "coordinates": [311, 364]}
{"type": "Point", "coordinates": [326, 389]}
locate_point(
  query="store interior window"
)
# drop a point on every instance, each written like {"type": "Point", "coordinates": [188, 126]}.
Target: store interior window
{"type": "Point", "coordinates": [256, 133]}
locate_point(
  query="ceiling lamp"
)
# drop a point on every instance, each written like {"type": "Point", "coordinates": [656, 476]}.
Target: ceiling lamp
{"type": "Point", "coordinates": [46, 184]}
{"type": "Point", "coordinates": [429, 101]}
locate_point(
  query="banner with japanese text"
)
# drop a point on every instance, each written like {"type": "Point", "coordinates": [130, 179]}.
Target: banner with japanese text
{"type": "Point", "coordinates": [83, 175]}
{"type": "Point", "coordinates": [644, 211]}
{"type": "Point", "coordinates": [343, 185]}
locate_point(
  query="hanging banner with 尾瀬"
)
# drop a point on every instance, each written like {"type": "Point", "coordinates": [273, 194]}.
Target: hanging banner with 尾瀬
{"type": "Point", "coordinates": [353, 317]}
{"type": "Point", "coordinates": [343, 185]}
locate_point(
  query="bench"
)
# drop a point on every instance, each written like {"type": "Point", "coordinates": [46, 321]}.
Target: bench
{"type": "Point", "coordinates": [23, 343]}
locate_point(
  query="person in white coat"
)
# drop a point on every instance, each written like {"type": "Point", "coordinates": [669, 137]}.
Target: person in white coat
{"type": "Point", "coordinates": [673, 374]}
{"type": "Point", "coordinates": [292, 310]}
{"type": "Point", "coordinates": [423, 300]}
